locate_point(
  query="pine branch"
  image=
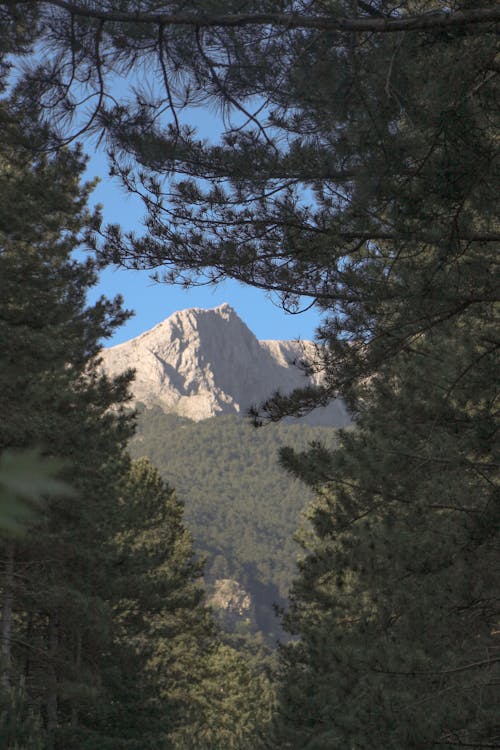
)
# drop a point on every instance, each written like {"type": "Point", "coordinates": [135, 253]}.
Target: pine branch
{"type": "Point", "coordinates": [465, 668]}
{"type": "Point", "coordinates": [425, 22]}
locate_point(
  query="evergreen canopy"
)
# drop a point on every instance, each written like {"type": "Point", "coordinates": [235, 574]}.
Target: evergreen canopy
{"type": "Point", "coordinates": [396, 601]}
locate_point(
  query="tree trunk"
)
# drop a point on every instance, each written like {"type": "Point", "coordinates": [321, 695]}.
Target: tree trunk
{"type": "Point", "coordinates": [27, 662]}
{"type": "Point", "coordinates": [8, 601]}
{"type": "Point", "coordinates": [52, 677]}
{"type": "Point", "coordinates": [78, 665]}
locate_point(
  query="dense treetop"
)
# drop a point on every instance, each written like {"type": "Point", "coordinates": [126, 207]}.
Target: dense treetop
{"type": "Point", "coordinates": [396, 601]}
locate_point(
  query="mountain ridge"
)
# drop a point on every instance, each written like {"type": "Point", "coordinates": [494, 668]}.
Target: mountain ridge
{"type": "Point", "coordinates": [199, 363]}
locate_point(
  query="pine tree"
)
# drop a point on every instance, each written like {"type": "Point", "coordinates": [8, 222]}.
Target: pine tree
{"type": "Point", "coordinates": [106, 640]}
{"type": "Point", "coordinates": [20, 726]}
{"type": "Point", "coordinates": [237, 702]}
{"type": "Point", "coordinates": [174, 683]}
{"type": "Point", "coordinates": [395, 602]}
{"type": "Point", "coordinates": [162, 623]}
{"type": "Point", "coordinates": [54, 398]}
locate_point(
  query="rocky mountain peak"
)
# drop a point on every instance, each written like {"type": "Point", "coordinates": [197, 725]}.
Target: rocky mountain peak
{"type": "Point", "coordinates": [200, 363]}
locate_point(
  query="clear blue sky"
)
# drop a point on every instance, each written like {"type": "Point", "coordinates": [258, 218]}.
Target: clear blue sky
{"type": "Point", "coordinates": [154, 302]}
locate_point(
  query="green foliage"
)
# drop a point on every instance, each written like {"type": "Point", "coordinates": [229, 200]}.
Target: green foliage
{"type": "Point", "coordinates": [236, 706]}
{"type": "Point", "coordinates": [175, 684]}
{"type": "Point", "coordinates": [103, 614]}
{"type": "Point", "coordinates": [163, 631]}
{"type": "Point", "coordinates": [240, 506]}
{"type": "Point", "coordinates": [24, 478]}
{"type": "Point", "coordinates": [395, 601]}
{"type": "Point", "coordinates": [55, 617]}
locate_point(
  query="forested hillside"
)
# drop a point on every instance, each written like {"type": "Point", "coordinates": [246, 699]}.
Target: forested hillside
{"type": "Point", "coordinates": [243, 509]}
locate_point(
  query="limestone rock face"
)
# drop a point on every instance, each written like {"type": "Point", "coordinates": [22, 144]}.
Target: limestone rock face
{"type": "Point", "coordinates": [229, 596]}
{"type": "Point", "coordinates": [202, 363]}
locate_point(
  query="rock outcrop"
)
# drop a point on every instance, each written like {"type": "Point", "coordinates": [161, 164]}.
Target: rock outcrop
{"type": "Point", "coordinates": [202, 363]}
{"type": "Point", "coordinates": [230, 596]}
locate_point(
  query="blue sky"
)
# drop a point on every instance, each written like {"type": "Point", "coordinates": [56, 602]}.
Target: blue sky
{"type": "Point", "coordinates": [154, 302]}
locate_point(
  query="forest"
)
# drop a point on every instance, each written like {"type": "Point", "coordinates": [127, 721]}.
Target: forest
{"type": "Point", "coordinates": [356, 169]}
{"type": "Point", "coordinates": [241, 507]}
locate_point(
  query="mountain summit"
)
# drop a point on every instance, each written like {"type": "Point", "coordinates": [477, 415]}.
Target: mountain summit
{"type": "Point", "coordinates": [202, 363]}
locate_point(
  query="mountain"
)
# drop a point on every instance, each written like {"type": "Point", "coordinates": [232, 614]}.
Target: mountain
{"type": "Point", "coordinates": [197, 373]}
{"type": "Point", "coordinates": [203, 363]}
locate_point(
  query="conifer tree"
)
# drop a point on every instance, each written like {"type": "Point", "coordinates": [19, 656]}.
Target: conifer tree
{"type": "Point", "coordinates": [106, 641]}
{"type": "Point", "coordinates": [193, 690]}
{"type": "Point", "coordinates": [53, 398]}
{"type": "Point", "coordinates": [395, 602]}
{"type": "Point", "coordinates": [237, 702]}
{"type": "Point", "coordinates": [163, 631]}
